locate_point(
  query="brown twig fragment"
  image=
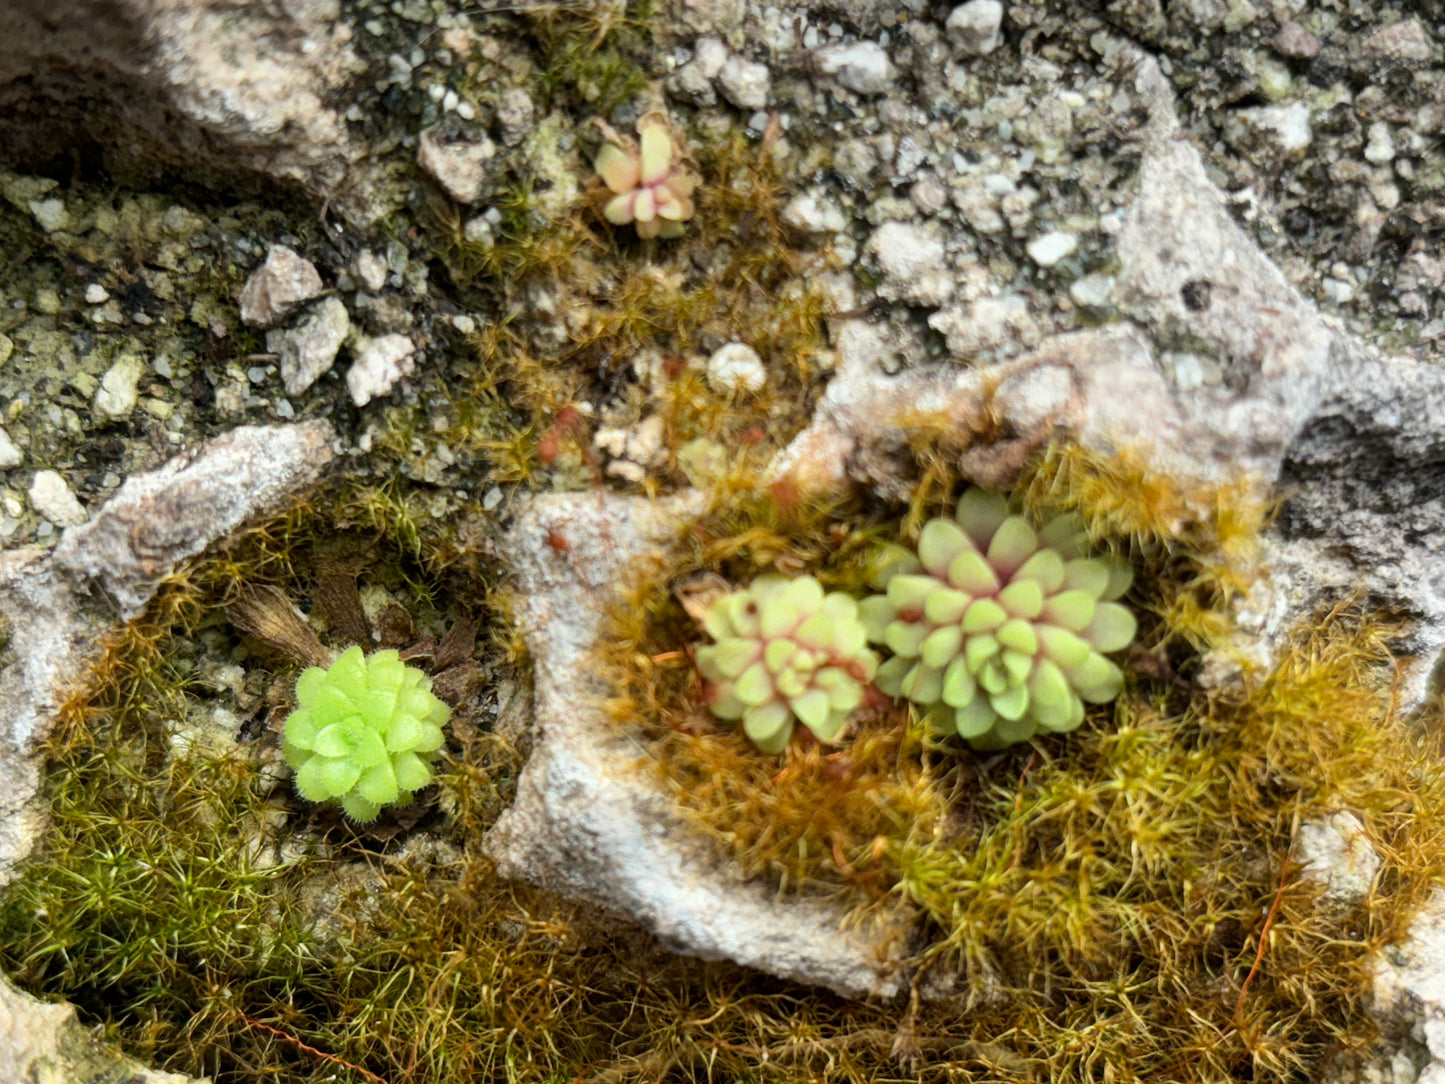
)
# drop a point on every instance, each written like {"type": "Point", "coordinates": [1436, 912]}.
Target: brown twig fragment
{"type": "Point", "coordinates": [323, 1055]}
{"type": "Point", "coordinates": [1269, 918]}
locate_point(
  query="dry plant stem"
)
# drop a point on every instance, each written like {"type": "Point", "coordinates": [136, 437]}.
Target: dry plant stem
{"type": "Point", "coordinates": [340, 601]}
{"type": "Point", "coordinates": [1284, 872]}
{"type": "Point", "coordinates": [265, 613]}
{"type": "Point", "coordinates": [310, 1049]}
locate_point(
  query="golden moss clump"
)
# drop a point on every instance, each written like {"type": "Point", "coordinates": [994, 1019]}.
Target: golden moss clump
{"type": "Point", "coordinates": [817, 819]}
{"type": "Point", "coordinates": [1119, 901]}
{"type": "Point", "coordinates": [1201, 542]}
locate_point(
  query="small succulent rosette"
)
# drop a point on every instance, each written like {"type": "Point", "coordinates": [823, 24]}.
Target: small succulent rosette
{"type": "Point", "coordinates": [651, 186]}
{"type": "Point", "coordinates": [785, 652]}
{"type": "Point", "coordinates": [999, 630]}
{"type": "Point", "coordinates": [365, 732]}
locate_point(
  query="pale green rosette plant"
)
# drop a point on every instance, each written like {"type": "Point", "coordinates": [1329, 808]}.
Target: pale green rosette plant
{"type": "Point", "coordinates": [785, 652]}
{"type": "Point", "coordinates": [364, 733]}
{"type": "Point", "coordinates": [997, 629]}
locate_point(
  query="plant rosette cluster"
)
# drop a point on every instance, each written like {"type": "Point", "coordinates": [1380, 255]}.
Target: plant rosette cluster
{"type": "Point", "coordinates": [364, 733]}
{"type": "Point", "coordinates": [999, 630]}
{"type": "Point", "coordinates": [651, 184]}
{"type": "Point", "coordinates": [996, 630]}
{"type": "Point", "coordinates": [786, 652]}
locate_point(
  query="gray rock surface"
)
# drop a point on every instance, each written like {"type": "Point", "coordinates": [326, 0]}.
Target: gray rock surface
{"type": "Point", "coordinates": [862, 67]}
{"type": "Point", "coordinates": [744, 83]}
{"type": "Point", "coordinates": [1410, 996]}
{"type": "Point", "coordinates": [167, 515]}
{"type": "Point", "coordinates": [119, 388]}
{"type": "Point", "coordinates": [516, 113]}
{"type": "Point", "coordinates": [1366, 479]}
{"type": "Point", "coordinates": [276, 289]}
{"type": "Point", "coordinates": [736, 367]}
{"type": "Point", "coordinates": [41, 1043]}
{"type": "Point", "coordinates": [909, 257]}
{"type": "Point", "coordinates": [814, 213]}
{"type": "Point", "coordinates": [308, 348]}
{"type": "Point", "coordinates": [1209, 353]}
{"type": "Point", "coordinates": [459, 166]}
{"type": "Point", "coordinates": [378, 366]}
{"type": "Point", "coordinates": [52, 498]}
{"type": "Point", "coordinates": [1292, 399]}
{"type": "Point", "coordinates": [974, 26]}
{"type": "Point", "coordinates": [10, 455]}
{"type": "Point", "coordinates": [1336, 852]}
{"type": "Point", "coordinates": [588, 824]}
{"type": "Point", "coordinates": [212, 85]}
{"type": "Point", "coordinates": [57, 607]}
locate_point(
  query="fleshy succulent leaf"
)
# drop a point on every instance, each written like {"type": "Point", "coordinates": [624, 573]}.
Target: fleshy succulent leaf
{"type": "Point", "coordinates": [731, 657]}
{"type": "Point", "coordinates": [1048, 685]}
{"type": "Point", "coordinates": [1011, 703]}
{"type": "Point", "coordinates": [1019, 635]}
{"type": "Point", "coordinates": [910, 591]}
{"type": "Point", "coordinates": [923, 684]}
{"type": "Point", "coordinates": [311, 679]}
{"type": "Point", "coordinates": [1071, 609]}
{"type": "Point", "coordinates": [378, 784]}
{"type": "Point", "coordinates": [1098, 680]}
{"type": "Point", "coordinates": [754, 685]}
{"type": "Point", "coordinates": [1121, 578]}
{"type": "Point", "coordinates": [984, 615]}
{"type": "Point", "coordinates": [974, 718]}
{"type": "Point", "coordinates": [876, 613]}
{"type": "Point", "coordinates": [958, 684]}
{"type": "Point", "coordinates": [1045, 568]}
{"type": "Point", "coordinates": [997, 630]}
{"type": "Point", "coordinates": [972, 573]}
{"type": "Point", "coordinates": [945, 606]}
{"type": "Point", "coordinates": [829, 729]}
{"type": "Point", "coordinates": [891, 673]}
{"type": "Point", "coordinates": [980, 513]}
{"type": "Point", "coordinates": [1061, 645]}
{"type": "Point", "coordinates": [656, 156]}
{"type": "Point", "coordinates": [300, 729]}
{"type": "Point", "coordinates": [337, 774]}
{"type": "Point", "coordinates": [618, 210]}
{"type": "Point", "coordinates": [311, 780]}
{"type": "Point", "coordinates": [1018, 665]}
{"type": "Point", "coordinates": [793, 653]}
{"type": "Point", "coordinates": [1112, 629]}
{"type": "Point", "coordinates": [367, 718]}
{"type": "Point", "coordinates": [359, 809]}
{"type": "Point", "coordinates": [905, 638]}
{"type": "Point", "coordinates": [940, 542]}
{"type": "Point", "coordinates": [1087, 574]}
{"type": "Point", "coordinates": [764, 721]}
{"type": "Point", "coordinates": [618, 169]}
{"type": "Point", "coordinates": [811, 708]}
{"type": "Point", "coordinates": [941, 645]}
{"type": "Point", "coordinates": [412, 772]}
{"type": "Point", "coordinates": [1022, 598]}
{"type": "Point", "coordinates": [1066, 534]}
{"type": "Point", "coordinates": [1013, 543]}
